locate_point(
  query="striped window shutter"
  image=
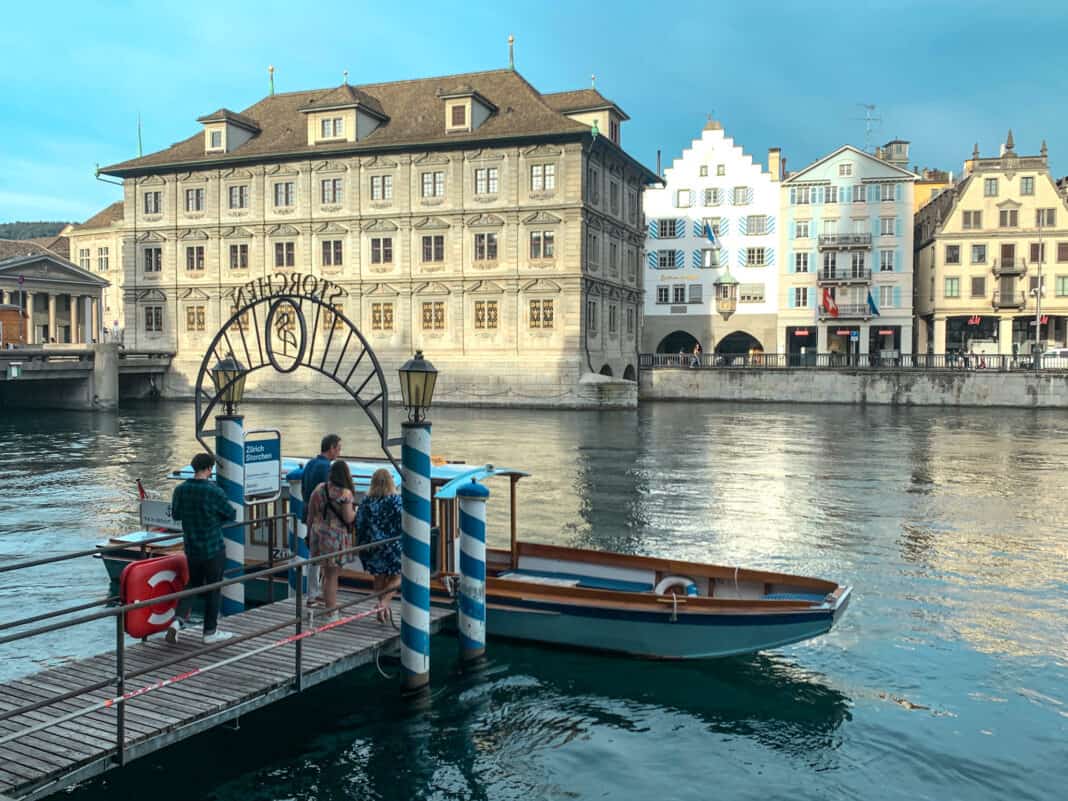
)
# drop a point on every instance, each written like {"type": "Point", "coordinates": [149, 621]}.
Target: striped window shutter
{"type": "Point", "coordinates": [680, 258]}
{"type": "Point", "coordinates": [697, 228]}
{"type": "Point", "coordinates": [741, 257]}
{"type": "Point", "coordinates": [771, 223]}
{"type": "Point", "coordinates": [650, 259]}
{"type": "Point", "coordinates": [724, 258]}
{"type": "Point", "coordinates": [791, 298]}
{"type": "Point", "coordinates": [897, 192]}
{"type": "Point", "coordinates": [897, 297]}
{"type": "Point", "coordinates": [654, 229]}
{"type": "Point", "coordinates": [769, 257]}
{"type": "Point", "coordinates": [749, 195]}
{"type": "Point", "coordinates": [899, 263]}
{"type": "Point", "coordinates": [730, 196]}
{"type": "Point", "coordinates": [696, 258]}
{"type": "Point", "coordinates": [724, 226]}
{"type": "Point", "coordinates": [743, 225]}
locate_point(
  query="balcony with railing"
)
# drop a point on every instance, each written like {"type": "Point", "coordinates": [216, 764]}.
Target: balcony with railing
{"type": "Point", "coordinates": [1009, 267]}
{"type": "Point", "coordinates": [847, 311]}
{"type": "Point", "coordinates": [858, 276]}
{"type": "Point", "coordinates": [1015, 299]}
{"type": "Point", "coordinates": [844, 241]}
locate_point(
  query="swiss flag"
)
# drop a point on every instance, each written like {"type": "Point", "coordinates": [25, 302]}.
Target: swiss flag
{"type": "Point", "coordinates": [828, 303]}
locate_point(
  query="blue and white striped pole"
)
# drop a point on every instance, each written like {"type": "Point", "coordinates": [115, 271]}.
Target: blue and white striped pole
{"type": "Point", "coordinates": [230, 476]}
{"type": "Point", "coordinates": [415, 556]}
{"type": "Point", "coordinates": [472, 617]}
{"type": "Point", "coordinates": [298, 541]}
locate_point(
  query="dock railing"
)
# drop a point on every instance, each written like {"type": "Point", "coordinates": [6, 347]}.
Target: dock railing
{"type": "Point", "coordinates": [850, 361]}
{"type": "Point", "coordinates": [121, 676]}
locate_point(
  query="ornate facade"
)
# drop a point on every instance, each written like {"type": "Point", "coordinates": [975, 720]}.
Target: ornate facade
{"type": "Point", "coordinates": [468, 216]}
{"type": "Point", "coordinates": [714, 184]}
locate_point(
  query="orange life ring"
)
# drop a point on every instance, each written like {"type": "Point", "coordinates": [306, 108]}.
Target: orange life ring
{"type": "Point", "coordinates": [146, 579]}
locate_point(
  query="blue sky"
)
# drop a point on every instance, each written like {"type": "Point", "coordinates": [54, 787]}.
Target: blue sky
{"type": "Point", "coordinates": [791, 74]}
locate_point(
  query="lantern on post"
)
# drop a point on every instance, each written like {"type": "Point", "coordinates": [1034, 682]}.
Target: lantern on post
{"type": "Point", "coordinates": [417, 379]}
{"type": "Point", "coordinates": [726, 287]}
{"type": "Point", "coordinates": [229, 379]}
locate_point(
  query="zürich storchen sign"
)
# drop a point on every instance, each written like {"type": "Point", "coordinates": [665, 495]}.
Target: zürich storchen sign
{"type": "Point", "coordinates": [291, 285]}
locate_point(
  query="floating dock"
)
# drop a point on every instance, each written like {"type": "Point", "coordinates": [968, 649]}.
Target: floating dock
{"type": "Point", "coordinates": [185, 697]}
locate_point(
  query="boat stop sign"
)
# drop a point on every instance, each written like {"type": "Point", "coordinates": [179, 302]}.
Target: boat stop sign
{"type": "Point", "coordinates": [263, 465]}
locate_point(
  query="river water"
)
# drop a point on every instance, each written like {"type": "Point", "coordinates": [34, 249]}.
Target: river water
{"type": "Point", "coordinates": [948, 677]}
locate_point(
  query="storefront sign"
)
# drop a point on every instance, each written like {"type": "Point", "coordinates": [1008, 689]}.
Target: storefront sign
{"type": "Point", "coordinates": [843, 332]}
{"type": "Point", "coordinates": [801, 332]}
{"type": "Point", "coordinates": [975, 319]}
{"type": "Point", "coordinates": [263, 465]}
{"type": "Point", "coordinates": [854, 336]}
{"type": "Point", "coordinates": [886, 332]}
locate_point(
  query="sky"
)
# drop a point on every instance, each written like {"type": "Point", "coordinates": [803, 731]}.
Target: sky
{"type": "Point", "coordinates": [943, 75]}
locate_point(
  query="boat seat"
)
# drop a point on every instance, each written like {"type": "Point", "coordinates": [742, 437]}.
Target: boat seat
{"type": "Point", "coordinates": [795, 596]}
{"type": "Point", "coordinates": [572, 580]}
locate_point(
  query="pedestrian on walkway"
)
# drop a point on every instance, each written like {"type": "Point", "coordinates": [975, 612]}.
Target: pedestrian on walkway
{"type": "Point", "coordinates": [317, 469]}
{"type": "Point", "coordinates": [203, 508]}
{"type": "Point", "coordinates": [379, 518]}
{"type": "Point", "coordinates": [331, 512]}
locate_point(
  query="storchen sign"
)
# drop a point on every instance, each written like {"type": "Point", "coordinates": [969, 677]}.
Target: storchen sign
{"type": "Point", "coordinates": [300, 285]}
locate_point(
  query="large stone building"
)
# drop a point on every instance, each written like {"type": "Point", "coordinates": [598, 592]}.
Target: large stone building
{"type": "Point", "coordinates": [494, 227]}
{"type": "Point", "coordinates": [713, 187]}
{"type": "Point", "coordinates": [96, 246]}
{"type": "Point", "coordinates": [847, 267]}
{"type": "Point", "coordinates": [988, 251]}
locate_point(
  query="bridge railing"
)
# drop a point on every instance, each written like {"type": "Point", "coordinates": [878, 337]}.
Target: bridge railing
{"type": "Point", "coordinates": [847, 361]}
{"type": "Point", "coordinates": [112, 608]}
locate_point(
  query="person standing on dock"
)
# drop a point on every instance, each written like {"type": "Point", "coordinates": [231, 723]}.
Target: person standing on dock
{"type": "Point", "coordinates": [317, 470]}
{"type": "Point", "coordinates": [379, 518]}
{"type": "Point", "coordinates": [331, 512]}
{"type": "Point", "coordinates": [203, 508]}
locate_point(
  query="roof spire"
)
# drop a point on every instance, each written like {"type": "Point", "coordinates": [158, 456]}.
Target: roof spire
{"type": "Point", "coordinates": [345, 77]}
{"type": "Point", "coordinates": [140, 150]}
{"type": "Point", "coordinates": [1043, 151]}
{"type": "Point", "coordinates": [511, 52]}
{"type": "Point", "coordinates": [593, 81]}
{"type": "Point", "coordinates": [975, 151]}
{"type": "Point", "coordinates": [270, 80]}
{"type": "Point", "coordinates": [1008, 141]}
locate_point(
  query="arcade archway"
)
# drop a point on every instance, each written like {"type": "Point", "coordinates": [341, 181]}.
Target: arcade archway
{"type": "Point", "coordinates": [738, 343]}
{"type": "Point", "coordinates": [677, 341]}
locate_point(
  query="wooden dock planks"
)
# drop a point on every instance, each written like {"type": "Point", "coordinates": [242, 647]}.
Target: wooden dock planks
{"type": "Point", "coordinates": [44, 762]}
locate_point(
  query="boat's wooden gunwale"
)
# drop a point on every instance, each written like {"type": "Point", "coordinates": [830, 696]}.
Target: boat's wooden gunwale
{"type": "Point", "coordinates": [672, 566]}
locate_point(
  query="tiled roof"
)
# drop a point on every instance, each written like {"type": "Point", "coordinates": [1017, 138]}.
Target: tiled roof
{"type": "Point", "coordinates": [415, 112]}
{"type": "Point", "coordinates": [104, 217]}
{"type": "Point", "coordinates": [60, 245]}
{"type": "Point", "coordinates": [581, 100]}
{"type": "Point", "coordinates": [17, 248]}
{"type": "Point", "coordinates": [230, 116]}
{"type": "Point", "coordinates": [345, 95]}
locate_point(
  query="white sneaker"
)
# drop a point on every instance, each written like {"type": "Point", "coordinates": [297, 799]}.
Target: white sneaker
{"type": "Point", "coordinates": [172, 632]}
{"type": "Point", "coordinates": [217, 636]}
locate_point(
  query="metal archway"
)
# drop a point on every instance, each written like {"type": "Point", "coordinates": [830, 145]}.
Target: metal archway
{"type": "Point", "coordinates": [262, 324]}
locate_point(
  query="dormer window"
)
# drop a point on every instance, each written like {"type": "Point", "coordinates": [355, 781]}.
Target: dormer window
{"type": "Point", "coordinates": [332, 128]}
{"type": "Point", "coordinates": [459, 116]}
{"type": "Point", "coordinates": [225, 131]}
{"type": "Point", "coordinates": [465, 109]}
{"type": "Point", "coordinates": [216, 140]}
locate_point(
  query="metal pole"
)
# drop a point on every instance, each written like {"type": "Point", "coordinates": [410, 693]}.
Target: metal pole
{"type": "Point", "coordinates": [472, 612]}
{"type": "Point", "coordinates": [1036, 353]}
{"type": "Point", "coordinates": [298, 654]}
{"type": "Point", "coordinates": [415, 558]}
{"type": "Point", "coordinates": [230, 475]}
{"type": "Point", "coordinates": [120, 687]}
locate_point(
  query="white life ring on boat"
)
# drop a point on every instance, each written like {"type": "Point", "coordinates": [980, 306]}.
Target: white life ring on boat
{"type": "Point", "coordinates": [688, 584]}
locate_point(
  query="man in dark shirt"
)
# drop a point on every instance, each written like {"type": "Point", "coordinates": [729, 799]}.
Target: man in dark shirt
{"type": "Point", "coordinates": [203, 508]}
{"type": "Point", "coordinates": [317, 469]}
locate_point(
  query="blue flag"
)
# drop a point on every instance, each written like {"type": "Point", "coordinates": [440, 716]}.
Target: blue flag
{"type": "Point", "coordinates": [871, 305]}
{"type": "Point", "coordinates": [710, 236]}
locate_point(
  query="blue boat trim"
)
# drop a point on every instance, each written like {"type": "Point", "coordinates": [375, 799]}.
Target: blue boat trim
{"type": "Point", "coordinates": [448, 490]}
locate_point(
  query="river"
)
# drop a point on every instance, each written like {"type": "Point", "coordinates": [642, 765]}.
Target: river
{"type": "Point", "coordinates": [947, 678]}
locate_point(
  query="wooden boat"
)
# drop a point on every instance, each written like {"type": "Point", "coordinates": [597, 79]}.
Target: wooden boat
{"type": "Point", "coordinates": [619, 603]}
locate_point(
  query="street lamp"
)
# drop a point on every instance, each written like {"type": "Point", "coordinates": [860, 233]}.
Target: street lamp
{"type": "Point", "coordinates": [417, 379]}
{"type": "Point", "coordinates": [229, 379]}
{"type": "Point", "coordinates": [726, 287]}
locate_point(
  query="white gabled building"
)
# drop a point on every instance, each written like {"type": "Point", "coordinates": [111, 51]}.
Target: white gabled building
{"type": "Point", "coordinates": [715, 184]}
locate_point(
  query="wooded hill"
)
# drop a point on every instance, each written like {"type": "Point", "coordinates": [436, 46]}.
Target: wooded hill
{"type": "Point", "coordinates": [30, 230]}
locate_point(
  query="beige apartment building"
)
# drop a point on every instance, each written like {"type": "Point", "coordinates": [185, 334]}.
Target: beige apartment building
{"type": "Point", "coordinates": [992, 258]}
{"type": "Point", "coordinates": [96, 247]}
{"type": "Point", "coordinates": [494, 227]}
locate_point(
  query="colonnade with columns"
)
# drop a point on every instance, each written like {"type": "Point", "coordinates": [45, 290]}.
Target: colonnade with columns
{"type": "Point", "coordinates": [77, 323]}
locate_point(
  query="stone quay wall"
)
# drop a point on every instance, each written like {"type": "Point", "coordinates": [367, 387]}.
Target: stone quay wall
{"type": "Point", "coordinates": [882, 387]}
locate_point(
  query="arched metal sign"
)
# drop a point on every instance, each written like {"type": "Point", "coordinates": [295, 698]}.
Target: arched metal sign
{"type": "Point", "coordinates": [291, 320]}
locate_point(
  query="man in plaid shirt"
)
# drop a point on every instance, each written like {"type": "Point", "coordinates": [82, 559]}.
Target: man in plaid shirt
{"type": "Point", "coordinates": [203, 508]}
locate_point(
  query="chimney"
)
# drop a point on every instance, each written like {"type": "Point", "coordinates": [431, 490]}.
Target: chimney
{"type": "Point", "coordinates": [775, 163]}
{"type": "Point", "coordinates": [658, 172]}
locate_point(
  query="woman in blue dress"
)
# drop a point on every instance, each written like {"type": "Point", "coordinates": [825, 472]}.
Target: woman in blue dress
{"type": "Point", "coordinates": [379, 518]}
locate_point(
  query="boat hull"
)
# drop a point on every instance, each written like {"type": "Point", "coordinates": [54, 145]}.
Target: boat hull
{"type": "Point", "coordinates": [652, 634]}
